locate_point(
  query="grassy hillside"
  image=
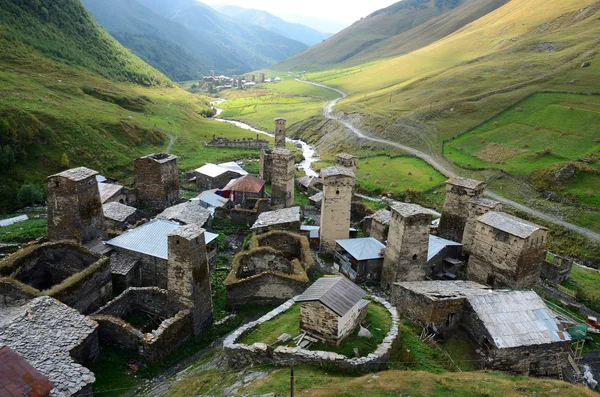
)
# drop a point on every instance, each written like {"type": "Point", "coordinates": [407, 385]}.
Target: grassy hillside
{"type": "Point", "coordinates": [71, 101]}
{"type": "Point", "coordinates": [397, 29]}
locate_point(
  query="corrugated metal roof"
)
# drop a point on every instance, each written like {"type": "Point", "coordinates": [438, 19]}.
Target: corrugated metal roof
{"type": "Point", "coordinates": [437, 244]}
{"type": "Point", "coordinates": [101, 178]}
{"type": "Point", "coordinates": [510, 224]}
{"type": "Point", "coordinates": [517, 318]}
{"type": "Point", "coordinates": [313, 231]}
{"type": "Point", "coordinates": [362, 249]}
{"type": "Point", "coordinates": [151, 238]}
{"type": "Point", "coordinates": [233, 166]}
{"type": "Point", "coordinates": [188, 213]}
{"type": "Point", "coordinates": [245, 184]}
{"type": "Point", "coordinates": [211, 170]}
{"type": "Point", "coordinates": [337, 293]}
{"type": "Point", "coordinates": [212, 199]}
{"type": "Point", "coordinates": [12, 221]}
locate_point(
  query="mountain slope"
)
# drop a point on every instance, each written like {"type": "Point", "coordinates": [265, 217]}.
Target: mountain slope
{"type": "Point", "coordinates": [71, 95]}
{"type": "Point", "coordinates": [250, 45]}
{"type": "Point", "coordinates": [294, 31]}
{"type": "Point", "coordinates": [399, 28]}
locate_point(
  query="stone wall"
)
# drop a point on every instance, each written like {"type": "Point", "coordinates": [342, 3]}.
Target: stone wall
{"type": "Point", "coordinates": [11, 294]}
{"type": "Point", "coordinates": [242, 143]}
{"type": "Point", "coordinates": [557, 270]}
{"type": "Point", "coordinates": [377, 230]}
{"type": "Point", "coordinates": [153, 269]}
{"type": "Point", "coordinates": [338, 191]}
{"type": "Point", "coordinates": [261, 260]}
{"type": "Point", "coordinates": [475, 211]}
{"type": "Point", "coordinates": [456, 209]}
{"type": "Point", "coordinates": [320, 321]}
{"type": "Point", "coordinates": [503, 260]}
{"type": "Point", "coordinates": [352, 319]}
{"type": "Point", "coordinates": [206, 182]}
{"type": "Point", "coordinates": [156, 180]}
{"type": "Point", "coordinates": [266, 165]}
{"type": "Point", "coordinates": [241, 355]}
{"type": "Point", "coordinates": [408, 241]}
{"type": "Point", "coordinates": [267, 288]}
{"type": "Point", "coordinates": [291, 245]}
{"type": "Point", "coordinates": [282, 178]}
{"type": "Point", "coordinates": [74, 209]}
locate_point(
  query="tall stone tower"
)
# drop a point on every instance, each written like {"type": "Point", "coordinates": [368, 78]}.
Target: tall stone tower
{"type": "Point", "coordinates": [347, 160]}
{"type": "Point", "coordinates": [262, 77]}
{"type": "Point", "coordinates": [408, 242]}
{"type": "Point", "coordinates": [240, 83]}
{"type": "Point", "coordinates": [74, 206]}
{"type": "Point", "coordinates": [254, 78]}
{"type": "Point", "coordinates": [477, 208]}
{"type": "Point", "coordinates": [338, 188]}
{"type": "Point", "coordinates": [459, 194]}
{"type": "Point", "coordinates": [156, 180]}
{"type": "Point", "coordinates": [280, 132]}
{"type": "Point", "coordinates": [212, 73]}
{"type": "Point", "coordinates": [188, 277]}
{"type": "Point", "coordinates": [282, 177]}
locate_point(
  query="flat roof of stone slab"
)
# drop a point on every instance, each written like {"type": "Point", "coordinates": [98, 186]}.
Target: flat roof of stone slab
{"type": "Point", "coordinates": [159, 157]}
{"type": "Point", "coordinates": [117, 211]}
{"type": "Point", "coordinates": [76, 174]}
{"type": "Point", "coordinates": [486, 202]}
{"type": "Point", "coordinates": [465, 182]}
{"type": "Point", "coordinates": [278, 217]}
{"type": "Point", "coordinates": [346, 156]}
{"type": "Point", "coordinates": [189, 213]}
{"type": "Point", "coordinates": [337, 293]}
{"type": "Point", "coordinates": [382, 216]}
{"type": "Point", "coordinates": [408, 209]}
{"type": "Point", "coordinates": [510, 224]}
{"type": "Point", "coordinates": [445, 290]}
{"type": "Point", "coordinates": [337, 171]}
{"type": "Point", "coordinates": [44, 331]}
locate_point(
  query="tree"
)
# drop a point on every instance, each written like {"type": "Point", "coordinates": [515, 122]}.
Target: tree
{"type": "Point", "coordinates": [64, 161]}
{"type": "Point", "coordinates": [30, 194]}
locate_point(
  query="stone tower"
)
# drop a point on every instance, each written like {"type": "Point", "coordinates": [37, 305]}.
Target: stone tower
{"type": "Point", "coordinates": [347, 160]}
{"type": "Point", "coordinates": [280, 132]}
{"type": "Point", "coordinates": [266, 165]}
{"type": "Point", "coordinates": [408, 242]}
{"type": "Point", "coordinates": [188, 277]}
{"type": "Point", "coordinates": [240, 83]}
{"type": "Point", "coordinates": [212, 73]}
{"type": "Point", "coordinates": [282, 177]}
{"type": "Point", "coordinates": [254, 78]}
{"type": "Point", "coordinates": [477, 208]}
{"type": "Point", "coordinates": [156, 180]}
{"type": "Point", "coordinates": [262, 77]}
{"type": "Point", "coordinates": [74, 206]}
{"type": "Point", "coordinates": [338, 187]}
{"type": "Point", "coordinates": [459, 194]}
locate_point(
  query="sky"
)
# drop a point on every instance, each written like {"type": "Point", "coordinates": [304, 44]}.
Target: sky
{"type": "Point", "coordinates": [341, 12]}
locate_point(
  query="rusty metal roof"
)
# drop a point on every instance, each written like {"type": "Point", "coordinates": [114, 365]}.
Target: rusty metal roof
{"type": "Point", "coordinates": [245, 184]}
{"type": "Point", "coordinates": [337, 293]}
{"type": "Point", "coordinates": [19, 378]}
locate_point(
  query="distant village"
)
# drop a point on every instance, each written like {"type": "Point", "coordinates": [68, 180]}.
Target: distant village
{"type": "Point", "coordinates": [130, 268]}
{"type": "Point", "coordinates": [242, 82]}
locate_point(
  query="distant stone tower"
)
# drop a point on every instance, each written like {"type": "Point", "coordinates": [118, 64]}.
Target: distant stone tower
{"type": "Point", "coordinates": [156, 180]}
{"type": "Point", "coordinates": [74, 206]}
{"type": "Point", "coordinates": [282, 177]}
{"type": "Point", "coordinates": [477, 208]}
{"type": "Point", "coordinates": [188, 275]}
{"type": "Point", "coordinates": [338, 187]}
{"type": "Point", "coordinates": [347, 160]}
{"type": "Point", "coordinates": [212, 73]}
{"type": "Point", "coordinates": [262, 77]}
{"type": "Point", "coordinates": [240, 83]}
{"type": "Point", "coordinates": [254, 78]}
{"type": "Point", "coordinates": [459, 194]}
{"type": "Point", "coordinates": [408, 242]}
{"type": "Point", "coordinates": [280, 132]}
{"type": "Point", "coordinates": [234, 81]}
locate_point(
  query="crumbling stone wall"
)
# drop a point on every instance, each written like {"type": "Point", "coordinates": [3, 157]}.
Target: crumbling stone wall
{"type": "Point", "coordinates": [338, 191]}
{"type": "Point", "coordinates": [266, 165]}
{"type": "Point", "coordinates": [156, 180]}
{"type": "Point", "coordinates": [556, 270]}
{"type": "Point", "coordinates": [291, 245]}
{"type": "Point", "coordinates": [347, 161]}
{"type": "Point", "coordinates": [74, 206]}
{"type": "Point", "coordinates": [477, 208]}
{"type": "Point", "coordinates": [282, 177]}
{"type": "Point", "coordinates": [242, 143]}
{"type": "Point", "coordinates": [153, 270]}
{"type": "Point", "coordinates": [206, 182]}
{"type": "Point", "coordinates": [372, 227]}
{"type": "Point", "coordinates": [408, 241]}
{"type": "Point", "coordinates": [262, 260]}
{"type": "Point", "coordinates": [456, 207]}
{"type": "Point", "coordinates": [267, 288]}
{"type": "Point", "coordinates": [500, 259]}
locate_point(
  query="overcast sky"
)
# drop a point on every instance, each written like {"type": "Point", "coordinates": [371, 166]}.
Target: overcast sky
{"type": "Point", "coordinates": [341, 11]}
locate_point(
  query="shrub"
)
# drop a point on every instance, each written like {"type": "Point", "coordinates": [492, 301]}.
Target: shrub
{"type": "Point", "coordinates": [410, 173]}
{"type": "Point", "coordinates": [547, 150]}
{"type": "Point", "coordinates": [393, 184]}
{"type": "Point", "coordinates": [30, 194]}
{"type": "Point", "coordinates": [519, 109]}
{"type": "Point", "coordinates": [64, 161]}
{"type": "Point", "coordinates": [496, 124]}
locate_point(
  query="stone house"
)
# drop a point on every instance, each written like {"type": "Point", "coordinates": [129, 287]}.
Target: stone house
{"type": "Point", "coordinates": [506, 251]}
{"type": "Point", "coordinates": [459, 194]}
{"type": "Point", "coordinates": [56, 340]}
{"type": "Point", "coordinates": [213, 176]}
{"type": "Point", "coordinates": [118, 216]}
{"type": "Point", "coordinates": [347, 160]}
{"type": "Point", "coordinates": [244, 191]}
{"type": "Point", "coordinates": [515, 330]}
{"type": "Point", "coordinates": [332, 308]}
{"type": "Point", "coordinates": [156, 180]}
{"type": "Point", "coordinates": [444, 257]}
{"type": "Point", "coordinates": [74, 206]}
{"type": "Point", "coordinates": [63, 270]}
{"type": "Point", "coordinates": [378, 225]}
{"type": "Point", "coordinates": [115, 193]}
{"type": "Point", "coordinates": [316, 200]}
{"type": "Point", "coordinates": [188, 213]}
{"type": "Point", "coordinates": [360, 259]}
{"type": "Point", "coordinates": [276, 268]}
{"type": "Point", "coordinates": [283, 219]}
{"type": "Point", "coordinates": [338, 190]}
{"type": "Point", "coordinates": [477, 207]}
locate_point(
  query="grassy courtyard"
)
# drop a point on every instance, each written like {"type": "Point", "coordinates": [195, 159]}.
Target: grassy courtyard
{"type": "Point", "coordinates": [586, 284]}
{"type": "Point", "coordinates": [378, 321]}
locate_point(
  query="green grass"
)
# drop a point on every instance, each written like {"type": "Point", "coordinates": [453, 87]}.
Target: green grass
{"type": "Point", "coordinates": [378, 320]}
{"type": "Point", "coordinates": [23, 232]}
{"type": "Point", "coordinates": [586, 188]}
{"type": "Point", "coordinates": [586, 283]}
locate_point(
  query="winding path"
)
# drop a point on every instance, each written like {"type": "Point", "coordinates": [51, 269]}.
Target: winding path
{"type": "Point", "coordinates": [328, 113]}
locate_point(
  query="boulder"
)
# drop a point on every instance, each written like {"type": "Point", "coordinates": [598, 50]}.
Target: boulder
{"type": "Point", "coordinates": [585, 64]}
{"type": "Point", "coordinates": [365, 333]}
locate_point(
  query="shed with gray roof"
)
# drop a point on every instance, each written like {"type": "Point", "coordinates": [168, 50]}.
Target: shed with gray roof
{"type": "Point", "coordinates": [360, 259]}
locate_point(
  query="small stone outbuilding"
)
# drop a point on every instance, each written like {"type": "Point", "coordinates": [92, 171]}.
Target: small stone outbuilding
{"type": "Point", "coordinates": [360, 259]}
{"type": "Point", "coordinates": [213, 176]}
{"type": "Point", "coordinates": [118, 216]}
{"type": "Point", "coordinates": [332, 308]}
{"type": "Point", "coordinates": [188, 213]}
{"type": "Point", "coordinates": [378, 225]}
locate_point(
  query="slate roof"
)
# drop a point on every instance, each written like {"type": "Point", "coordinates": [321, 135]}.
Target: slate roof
{"type": "Point", "coordinates": [307, 181]}
{"type": "Point", "coordinates": [117, 211]}
{"type": "Point", "coordinates": [187, 213]}
{"type": "Point", "coordinates": [486, 202]}
{"type": "Point", "coordinates": [407, 209]}
{"type": "Point", "coordinates": [382, 216]}
{"type": "Point", "coordinates": [108, 190]}
{"type": "Point", "coordinates": [465, 182]}
{"type": "Point", "coordinates": [517, 318]}
{"type": "Point", "coordinates": [362, 249]}
{"type": "Point", "coordinates": [445, 290]}
{"type": "Point", "coordinates": [437, 244]}
{"type": "Point", "coordinates": [345, 156]}
{"type": "Point", "coordinates": [76, 174]}
{"type": "Point", "coordinates": [159, 157]}
{"type": "Point", "coordinates": [151, 238]}
{"type": "Point", "coordinates": [337, 293]}
{"type": "Point", "coordinates": [245, 184]}
{"type": "Point", "coordinates": [336, 171]}
{"type": "Point", "coordinates": [509, 224]}
{"type": "Point", "coordinates": [278, 217]}
{"type": "Point", "coordinates": [18, 378]}
{"type": "Point", "coordinates": [317, 197]}
{"type": "Point", "coordinates": [44, 332]}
